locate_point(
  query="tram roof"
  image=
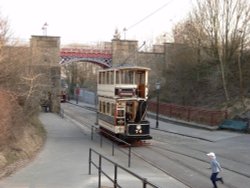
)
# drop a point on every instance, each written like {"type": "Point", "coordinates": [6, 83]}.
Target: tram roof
{"type": "Point", "coordinates": [126, 67]}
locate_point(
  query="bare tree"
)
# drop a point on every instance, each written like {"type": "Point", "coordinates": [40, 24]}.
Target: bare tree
{"type": "Point", "coordinates": [4, 31]}
{"type": "Point", "coordinates": [221, 28]}
{"type": "Point", "coordinates": [5, 65]}
{"type": "Point", "coordinates": [19, 77]}
{"type": "Point", "coordinates": [70, 71]}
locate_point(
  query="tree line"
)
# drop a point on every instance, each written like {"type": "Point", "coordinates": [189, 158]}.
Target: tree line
{"type": "Point", "coordinates": [209, 62]}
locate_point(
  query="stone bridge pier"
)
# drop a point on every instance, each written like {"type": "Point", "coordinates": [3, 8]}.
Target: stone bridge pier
{"type": "Point", "coordinates": [127, 52]}
{"type": "Point", "coordinates": [45, 55]}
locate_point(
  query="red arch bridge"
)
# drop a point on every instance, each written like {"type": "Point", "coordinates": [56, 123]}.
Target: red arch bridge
{"type": "Point", "coordinates": [101, 57]}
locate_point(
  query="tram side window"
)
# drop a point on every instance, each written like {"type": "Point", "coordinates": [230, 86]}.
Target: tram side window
{"type": "Point", "coordinates": [117, 75]}
{"type": "Point", "coordinates": [129, 77]}
{"type": "Point", "coordinates": [122, 77]}
{"type": "Point", "coordinates": [102, 78]}
{"type": "Point", "coordinates": [100, 106]}
{"type": "Point", "coordinates": [112, 109]}
{"type": "Point", "coordinates": [104, 107]}
{"type": "Point", "coordinates": [108, 108]}
{"type": "Point", "coordinates": [107, 78]}
{"type": "Point", "coordinates": [112, 77]}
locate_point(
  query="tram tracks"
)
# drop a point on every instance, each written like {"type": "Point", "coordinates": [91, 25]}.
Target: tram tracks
{"type": "Point", "coordinates": [88, 122]}
{"type": "Point", "coordinates": [87, 119]}
{"type": "Point", "coordinates": [183, 163]}
{"type": "Point", "coordinates": [93, 109]}
{"type": "Point", "coordinates": [188, 168]}
{"type": "Point", "coordinates": [158, 164]}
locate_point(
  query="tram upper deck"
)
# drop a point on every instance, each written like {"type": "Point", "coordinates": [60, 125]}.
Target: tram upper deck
{"type": "Point", "coordinates": [123, 82]}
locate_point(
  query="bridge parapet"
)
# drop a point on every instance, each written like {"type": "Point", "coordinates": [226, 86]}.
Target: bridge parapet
{"type": "Point", "coordinates": [102, 57]}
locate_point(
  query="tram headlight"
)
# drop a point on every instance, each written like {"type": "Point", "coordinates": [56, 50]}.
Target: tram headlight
{"type": "Point", "coordinates": [120, 122]}
{"type": "Point", "coordinates": [138, 127]}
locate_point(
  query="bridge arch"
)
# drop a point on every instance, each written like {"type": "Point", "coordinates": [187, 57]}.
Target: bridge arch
{"type": "Point", "coordinates": [101, 63]}
{"type": "Point", "coordinates": [102, 58]}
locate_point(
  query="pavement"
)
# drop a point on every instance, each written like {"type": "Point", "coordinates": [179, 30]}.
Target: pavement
{"type": "Point", "coordinates": [64, 160]}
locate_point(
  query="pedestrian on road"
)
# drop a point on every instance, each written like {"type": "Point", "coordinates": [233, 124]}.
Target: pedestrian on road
{"type": "Point", "coordinates": [216, 168]}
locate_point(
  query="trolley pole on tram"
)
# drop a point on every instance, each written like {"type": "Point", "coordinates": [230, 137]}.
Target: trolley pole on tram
{"type": "Point", "coordinates": [158, 87]}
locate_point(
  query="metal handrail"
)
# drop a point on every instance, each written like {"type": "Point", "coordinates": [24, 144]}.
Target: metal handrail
{"type": "Point", "coordinates": [114, 180]}
{"type": "Point", "coordinates": [113, 144]}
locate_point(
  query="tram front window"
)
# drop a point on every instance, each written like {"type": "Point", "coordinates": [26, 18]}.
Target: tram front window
{"type": "Point", "coordinates": [127, 76]}
{"type": "Point", "coordinates": [137, 77]}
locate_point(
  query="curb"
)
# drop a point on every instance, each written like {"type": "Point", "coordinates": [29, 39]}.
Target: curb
{"type": "Point", "coordinates": [183, 123]}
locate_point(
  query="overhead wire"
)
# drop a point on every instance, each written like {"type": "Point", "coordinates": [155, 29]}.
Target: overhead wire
{"type": "Point", "coordinates": [148, 16]}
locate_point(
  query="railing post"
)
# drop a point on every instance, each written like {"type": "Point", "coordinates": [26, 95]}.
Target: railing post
{"type": "Point", "coordinates": [100, 172]}
{"type": "Point", "coordinates": [144, 183]}
{"type": "Point", "coordinates": [115, 177]}
{"type": "Point", "coordinates": [92, 132]}
{"type": "Point", "coordinates": [101, 141]}
{"type": "Point", "coordinates": [96, 121]}
{"type": "Point", "coordinates": [113, 149]}
{"type": "Point", "coordinates": [157, 110]}
{"type": "Point", "coordinates": [129, 155]}
{"type": "Point", "coordinates": [90, 160]}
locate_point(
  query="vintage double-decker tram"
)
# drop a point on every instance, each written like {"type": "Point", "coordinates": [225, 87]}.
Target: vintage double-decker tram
{"type": "Point", "coordinates": [122, 102]}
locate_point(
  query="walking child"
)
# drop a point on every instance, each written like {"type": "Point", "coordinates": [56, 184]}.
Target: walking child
{"type": "Point", "coordinates": [216, 168]}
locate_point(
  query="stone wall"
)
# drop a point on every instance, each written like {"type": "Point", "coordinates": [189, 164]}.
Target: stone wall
{"type": "Point", "coordinates": [154, 61]}
{"type": "Point", "coordinates": [126, 52]}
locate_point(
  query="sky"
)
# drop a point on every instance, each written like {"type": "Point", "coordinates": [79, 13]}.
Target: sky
{"type": "Point", "coordinates": [87, 21]}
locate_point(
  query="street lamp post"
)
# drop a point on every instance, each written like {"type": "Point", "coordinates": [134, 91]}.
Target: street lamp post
{"type": "Point", "coordinates": [158, 87]}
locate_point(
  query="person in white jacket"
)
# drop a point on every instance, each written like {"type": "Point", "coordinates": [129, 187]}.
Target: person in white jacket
{"type": "Point", "coordinates": [216, 168]}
